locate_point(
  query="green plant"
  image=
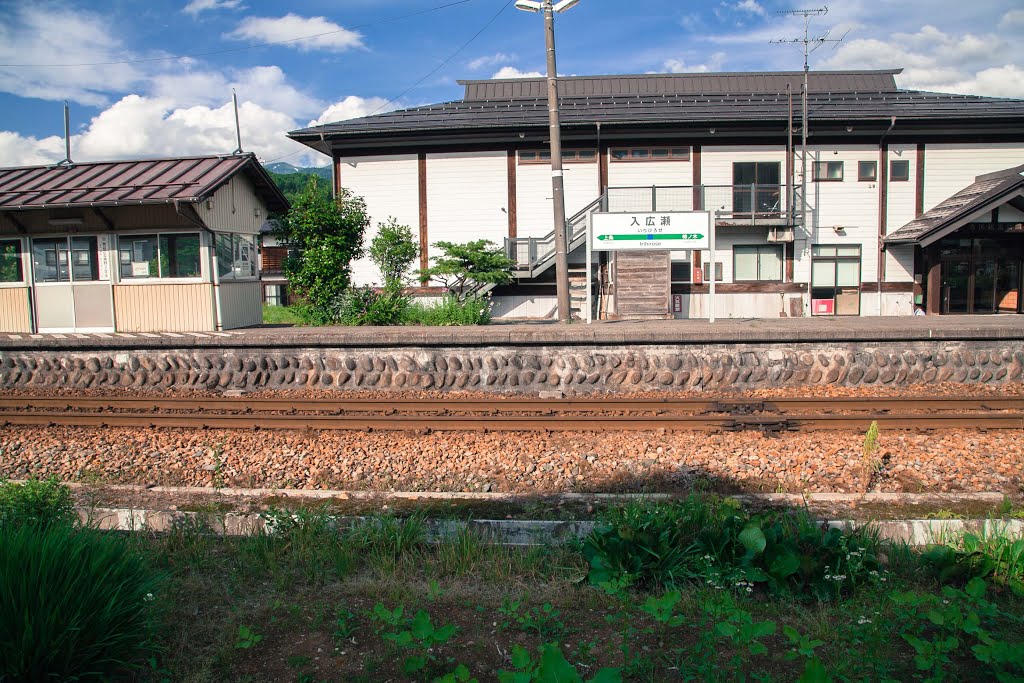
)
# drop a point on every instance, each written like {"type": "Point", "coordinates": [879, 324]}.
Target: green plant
{"type": "Point", "coordinates": [388, 536]}
{"type": "Point", "coordinates": [393, 251]}
{"type": "Point", "coordinates": [280, 315]}
{"type": "Point", "coordinates": [419, 635]}
{"type": "Point", "coordinates": [993, 555]}
{"type": "Point", "coordinates": [460, 675]}
{"type": "Point", "coordinates": [324, 236]}
{"type": "Point", "coordinates": [76, 603]}
{"type": "Point", "coordinates": [35, 502]}
{"type": "Point", "coordinates": [544, 620]}
{"type": "Point", "coordinates": [550, 667]}
{"type": "Point", "coordinates": [869, 455]}
{"type": "Point", "coordinates": [804, 646]}
{"type": "Point", "coordinates": [371, 306]}
{"type": "Point", "coordinates": [247, 638]}
{"type": "Point", "coordinates": [461, 267]}
{"type": "Point", "coordinates": [470, 309]}
{"type": "Point", "coordinates": [344, 625]}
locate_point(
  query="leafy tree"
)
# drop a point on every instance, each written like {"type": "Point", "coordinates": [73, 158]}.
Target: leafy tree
{"type": "Point", "coordinates": [324, 236]}
{"type": "Point", "coordinates": [393, 250]}
{"type": "Point", "coordinates": [294, 184]}
{"type": "Point", "coordinates": [461, 267]}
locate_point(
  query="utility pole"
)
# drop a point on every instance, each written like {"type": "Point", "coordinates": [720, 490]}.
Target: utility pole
{"type": "Point", "coordinates": [808, 45]}
{"type": "Point", "coordinates": [557, 181]}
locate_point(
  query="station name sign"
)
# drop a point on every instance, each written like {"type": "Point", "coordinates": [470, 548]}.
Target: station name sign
{"type": "Point", "coordinates": [675, 230]}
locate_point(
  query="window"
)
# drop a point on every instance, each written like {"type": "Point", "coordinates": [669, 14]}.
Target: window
{"type": "Point", "coordinates": [681, 271]}
{"type": "Point", "coordinates": [171, 255]}
{"type": "Point", "coordinates": [756, 184]}
{"type": "Point", "coordinates": [10, 261]}
{"type": "Point", "coordinates": [867, 171]}
{"type": "Point", "coordinates": [718, 271]}
{"type": "Point", "coordinates": [650, 154]}
{"type": "Point", "coordinates": [899, 170]}
{"type": "Point", "coordinates": [835, 279]}
{"type": "Point", "coordinates": [569, 156]}
{"type": "Point", "coordinates": [828, 171]}
{"type": "Point", "coordinates": [757, 262]}
{"type": "Point", "coordinates": [236, 256]}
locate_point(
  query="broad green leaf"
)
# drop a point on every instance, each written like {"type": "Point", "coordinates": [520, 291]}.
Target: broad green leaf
{"type": "Point", "coordinates": [975, 587]}
{"type": "Point", "coordinates": [554, 668]}
{"type": "Point", "coordinates": [414, 664]}
{"type": "Point", "coordinates": [814, 672]}
{"type": "Point", "coordinates": [421, 626]}
{"type": "Point", "coordinates": [785, 565]}
{"type": "Point", "coordinates": [764, 628]}
{"type": "Point", "coordinates": [607, 676]}
{"type": "Point", "coordinates": [520, 657]}
{"type": "Point", "coordinates": [753, 539]}
{"type": "Point", "coordinates": [724, 628]}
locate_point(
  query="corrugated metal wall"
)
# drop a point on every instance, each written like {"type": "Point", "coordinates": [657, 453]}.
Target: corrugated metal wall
{"type": "Point", "coordinates": [14, 315]}
{"type": "Point", "coordinates": [241, 304]}
{"type": "Point", "coordinates": [164, 307]}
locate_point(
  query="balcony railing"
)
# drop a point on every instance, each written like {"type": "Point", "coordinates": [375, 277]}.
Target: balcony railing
{"type": "Point", "coordinates": [766, 205]}
{"type": "Point", "coordinates": [531, 253]}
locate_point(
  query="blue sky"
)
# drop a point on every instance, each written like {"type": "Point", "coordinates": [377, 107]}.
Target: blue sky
{"type": "Point", "coordinates": [169, 96]}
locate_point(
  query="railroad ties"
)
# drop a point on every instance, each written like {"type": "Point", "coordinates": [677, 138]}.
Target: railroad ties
{"type": "Point", "coordinates": [519, 414]}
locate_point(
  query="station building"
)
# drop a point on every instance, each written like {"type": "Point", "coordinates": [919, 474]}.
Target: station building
{"type": "Point", "coordinates": [901, 210]}
{"type": "Point", "coordinates": [159, 245]}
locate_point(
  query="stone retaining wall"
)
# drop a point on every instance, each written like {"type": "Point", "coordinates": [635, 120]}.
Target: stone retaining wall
{"type": "Point", "coordinates": [524, 369]}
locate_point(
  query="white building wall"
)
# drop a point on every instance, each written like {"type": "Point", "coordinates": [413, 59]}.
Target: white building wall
{"type": "Point", "coordinates": [390, 187]}
{"type": "Point", "coordinates": [647, 173]}
{"type": "Point", "coordinates": [466, 192]}
{"type": "Point", "coordinates": [949, 168]}
{"type": "Point", "coordinates": [849, 204]}
{"type": "Point", "coordinates": [902, 194]}
{"type": "Point", "coordinates": [534, 213]}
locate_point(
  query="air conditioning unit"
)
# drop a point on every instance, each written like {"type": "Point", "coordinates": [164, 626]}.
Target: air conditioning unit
{"type": "Point", "coordinates": [780, 234]}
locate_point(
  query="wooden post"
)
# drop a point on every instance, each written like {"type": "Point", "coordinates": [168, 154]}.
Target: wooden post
{"type": "Point", "coordinates": [933, 297]}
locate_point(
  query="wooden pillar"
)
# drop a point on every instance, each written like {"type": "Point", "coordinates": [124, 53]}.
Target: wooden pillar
{"type": "Point", "coordinates": [919, 176]}
{"type": "Point", "coordinates": [933, 296]}
{"type": "Point", "coordinates": [512, 225]}
{"type": "Point", "coordinates": [698, 204]}
{"type": "Point", "coordinates": [422, 173]}
{"type": "Point", "coordinates": [337, 175]}
{"type": "Point", "coordinates": [883, 209]}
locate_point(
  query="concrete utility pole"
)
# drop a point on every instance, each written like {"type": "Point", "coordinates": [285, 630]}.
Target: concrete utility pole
{"type": "Point", "coordinates": [557, 181]}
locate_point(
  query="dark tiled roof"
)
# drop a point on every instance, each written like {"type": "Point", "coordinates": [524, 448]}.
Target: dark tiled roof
{"type": "Point", "coordinates": [985, 192]}
{"type": "Point", "coordinates": [668, 109]}
{"type": "Point", "coordinates": [684, 84]}
{"type": "Point", "coordinates": [120, 183]}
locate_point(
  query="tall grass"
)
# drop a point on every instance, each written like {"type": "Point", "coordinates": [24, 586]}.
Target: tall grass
{"type": "Point", "coordinates": [74, 603]}
{"type": "Point", "coordinates": [35, 502]}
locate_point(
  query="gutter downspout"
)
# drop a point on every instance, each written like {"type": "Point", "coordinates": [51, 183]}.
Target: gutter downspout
{"type": "Point", "coordinates": [883, 178]}
{"type": "Point", "coordinates": [193, 217]}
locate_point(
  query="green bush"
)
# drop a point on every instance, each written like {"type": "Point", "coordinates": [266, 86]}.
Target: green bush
{"type": "Point", "coordinates": [995, 556]}
{"type": "Point", "coordinates": [450, 310]}
{"type": "Point", "coordinates": [35, 502]}
{"type": "Point", "coordinates": [713, 541]}
{"type": "Point", "coordinates": [75, 604]}
{"type": "Point", "coordinates": [369, 306]}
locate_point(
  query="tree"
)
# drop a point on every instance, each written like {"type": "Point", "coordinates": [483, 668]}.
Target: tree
{"type": "Point", "coordinates": [462, 267]}
{"type": "Point", "coordinates": [324, 236]}
{"type": "Point", "coordinates": [393, 250]}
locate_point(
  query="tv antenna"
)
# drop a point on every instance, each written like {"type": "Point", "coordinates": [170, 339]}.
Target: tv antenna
{"type": "Point", "coordinates": [808, 45]}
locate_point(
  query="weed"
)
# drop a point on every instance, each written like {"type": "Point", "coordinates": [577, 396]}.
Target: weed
{"type": "Point", "coordinates": [994, 555]}
{"type": "Point", "coordinates": [869, 455]}
{"type": "Point", "coordinates": [544, 620]}
{"type": "Point", "coordinates": [35, 502]}
{"type": "Point", "coordinates": [551, 665]}
{"type": "Point", "coordinates": [344, 625]}
{"type": "Point", "coordinates": [418, 635]}
{"type": "Point", "coordinates": [247, 638]}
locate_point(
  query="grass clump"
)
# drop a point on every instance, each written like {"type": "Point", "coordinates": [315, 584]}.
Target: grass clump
{"type": "Point", "coordinates": [450, 310]}
{"type": "Point", "coordinates": [280, 315]}
{"type": "Point", "coordinates": [76, 603]}
{"type": "Point", "coordinates": [998, 557]}
{"type": "Point", "coordinates": [35, 502]}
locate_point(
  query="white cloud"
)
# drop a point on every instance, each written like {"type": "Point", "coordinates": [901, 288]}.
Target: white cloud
{"type": "Point", "coordinates": [490, 60]}
{"type": "Point", "coordinates": [197, 6]}
{"type": "Point", "coordinates": [939, 61]}
{"type": "Point", "coordinates": [137, 127]}
{"type": "Point", "coordinates": [1012, 21]}
{"type": "Point", "coordinates": [513, 72]}
{"type": "Point", "coordinates": [326, 35]}
{"type": "Point", "coordinates": [679, 66]}
{"type": "Point", "coordinates": [751, 6]}
{"type": "Point", "coordinates": [264, 85]}
{"type": "Point", "coordinates": [352, 107]}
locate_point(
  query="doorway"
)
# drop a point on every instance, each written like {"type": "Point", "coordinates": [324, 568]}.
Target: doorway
{"type": "Point", "coordinates": [71, 282]}
{"type": "Point", "coordinates": [981, 275]}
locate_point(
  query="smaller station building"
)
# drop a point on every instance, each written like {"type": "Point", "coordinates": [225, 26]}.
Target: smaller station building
{"type": "Point", "coordinates": [158, 245]}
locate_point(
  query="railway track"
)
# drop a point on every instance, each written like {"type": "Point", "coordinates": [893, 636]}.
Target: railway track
{"type": "Point", "coordinates": [767, 415]}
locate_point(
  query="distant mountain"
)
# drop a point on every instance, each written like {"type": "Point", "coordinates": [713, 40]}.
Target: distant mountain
{"type": "Point", "coordinates": [284, 168]}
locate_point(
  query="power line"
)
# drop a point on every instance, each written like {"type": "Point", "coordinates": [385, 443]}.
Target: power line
{"type": "Point", "coordinates": [446, 61]}
{"type": "Point", "coordinates": [246, 47]}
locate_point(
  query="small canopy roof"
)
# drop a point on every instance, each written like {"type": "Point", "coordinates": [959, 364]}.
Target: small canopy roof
{"type": "Point", "coordinates": [977, 199]}
{"type": "Point", "coordinates": [135, 182]}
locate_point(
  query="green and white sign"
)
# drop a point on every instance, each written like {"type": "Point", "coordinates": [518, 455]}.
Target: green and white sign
{"type": "Point", "coordinates": [674, 230]}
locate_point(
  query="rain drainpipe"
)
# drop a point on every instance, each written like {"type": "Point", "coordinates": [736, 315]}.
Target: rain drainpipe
{"type": "Point", "coordinates": [883, 176]}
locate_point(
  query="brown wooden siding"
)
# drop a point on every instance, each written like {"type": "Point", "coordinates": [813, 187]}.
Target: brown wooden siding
{"type": "Point", "coordinates": [14, 313]}
{"type": "Point", "coordinates": [273, 259]}
{"type": "Point", "coordinates": [164, 307]}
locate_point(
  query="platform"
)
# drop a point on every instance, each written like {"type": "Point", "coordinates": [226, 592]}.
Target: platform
{"type": "Point", "coordinates": [683, 332]}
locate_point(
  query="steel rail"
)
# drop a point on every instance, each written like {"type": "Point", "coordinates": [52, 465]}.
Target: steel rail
{"type": "Point", "coordinates": [517, 405]}
{"type": "Point", "coordinates": [540, 423]}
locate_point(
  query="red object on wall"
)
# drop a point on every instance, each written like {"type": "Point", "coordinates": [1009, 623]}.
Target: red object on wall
{"type": "Point", "coordinates": [698, 276]}
{"type": "Point", "coordinates": [823, 306]}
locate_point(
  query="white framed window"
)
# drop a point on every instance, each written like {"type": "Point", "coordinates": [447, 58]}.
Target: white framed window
{"type": "Point", "coordinates": [828, 171]}
{"type": "Point", "coordinates": [650, 154]}
{"type": "Point", "coordinates": [12, 271]}
{"type": "Point", "coordinates": [236, 256]}
{"type": "Point", "coordinates": [757, 262]}
{"type": "Point", "coordinates": [161, 256]}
